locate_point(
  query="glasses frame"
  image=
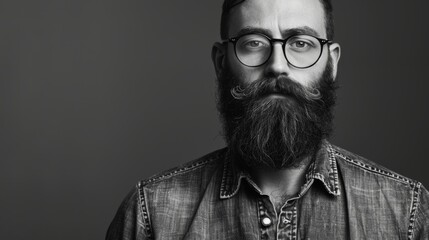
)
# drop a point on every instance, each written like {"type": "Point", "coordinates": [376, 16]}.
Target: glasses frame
{"type": "Point", "coordinates": [234, 41]}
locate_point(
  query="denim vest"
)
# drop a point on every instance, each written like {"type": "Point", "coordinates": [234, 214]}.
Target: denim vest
{"type": "Point", "coordinates": [344, 197]}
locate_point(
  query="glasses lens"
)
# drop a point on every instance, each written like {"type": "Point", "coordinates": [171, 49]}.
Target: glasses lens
{"type": "Point", "coordinates": [302, 50]}
{"type": "Point", "coordinates": [253, 49]}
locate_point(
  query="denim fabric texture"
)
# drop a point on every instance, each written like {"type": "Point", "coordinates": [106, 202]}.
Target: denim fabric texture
{"type": "Point", "coordinates": [344, 197]}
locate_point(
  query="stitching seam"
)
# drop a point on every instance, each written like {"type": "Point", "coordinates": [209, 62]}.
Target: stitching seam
{"type": "Point", "coordinates": [334, 173]}
{"type": "Point", "coordinates": [415, 203]}
{"type": "Point", "coordinates": [373, 169]}
{"type": "Point", "coordinates": [146, 216]}
{"type": "Point", "coordinates": [180, 170]}
{"type": "Point", "coordinates": [223, 191]}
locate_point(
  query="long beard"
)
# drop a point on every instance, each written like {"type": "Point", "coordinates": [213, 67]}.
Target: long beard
{"type": "Point", "coordinates": [280, 132]}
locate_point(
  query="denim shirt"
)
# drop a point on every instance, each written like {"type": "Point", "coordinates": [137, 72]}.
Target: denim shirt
{"type": "Point", "coordinates": [344, 197]}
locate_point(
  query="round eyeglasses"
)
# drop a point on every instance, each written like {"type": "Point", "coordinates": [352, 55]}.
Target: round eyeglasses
{"type": "Point", "coordinates": [301, 51]}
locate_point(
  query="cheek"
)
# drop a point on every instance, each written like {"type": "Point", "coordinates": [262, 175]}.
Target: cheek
{"type": "Point", "coordinates": [310, 76]}
{"type": "Point", "coordinates": [307, 78]}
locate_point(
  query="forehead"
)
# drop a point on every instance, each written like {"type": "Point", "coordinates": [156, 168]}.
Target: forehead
{"type": "Point", "coordinates": [275, 17]}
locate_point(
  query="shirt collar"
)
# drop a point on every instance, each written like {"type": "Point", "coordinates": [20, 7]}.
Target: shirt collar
{"type": "Point", "coordinates": [323, 168]}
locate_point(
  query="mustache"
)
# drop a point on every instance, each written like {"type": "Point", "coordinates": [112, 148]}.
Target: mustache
{"type": "Point", "coordinates": [281, 85]}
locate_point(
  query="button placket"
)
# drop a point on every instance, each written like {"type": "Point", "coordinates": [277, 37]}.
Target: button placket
{"type": "Point", "coordinates": [286, 228]}
{"type": "Point", "coordinates": [266, 221]}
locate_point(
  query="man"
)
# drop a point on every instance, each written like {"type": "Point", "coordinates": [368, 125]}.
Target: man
{"type": "Point", "coordinates": [279, 178]}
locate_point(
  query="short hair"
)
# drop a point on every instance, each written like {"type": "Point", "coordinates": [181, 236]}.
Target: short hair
{"type": "Point", "coordinates": [229, 4]}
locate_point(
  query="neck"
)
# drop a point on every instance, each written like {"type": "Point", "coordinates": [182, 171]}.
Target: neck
{"type": "Point", "coordinates": [281, 184]}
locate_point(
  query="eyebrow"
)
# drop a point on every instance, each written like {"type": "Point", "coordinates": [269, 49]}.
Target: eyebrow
{"type": "Point", "coordinates": [287, 32]}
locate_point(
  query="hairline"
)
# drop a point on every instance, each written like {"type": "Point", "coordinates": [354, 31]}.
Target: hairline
{"type": "Point", "coordinates": [328, 20]}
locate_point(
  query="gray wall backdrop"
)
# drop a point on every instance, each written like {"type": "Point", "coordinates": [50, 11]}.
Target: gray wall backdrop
{"type": "Point", "coordinates": [95, 95]}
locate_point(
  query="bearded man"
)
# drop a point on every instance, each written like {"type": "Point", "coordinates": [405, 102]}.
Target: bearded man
{"type": "Point", "coordinates": [279, 177]}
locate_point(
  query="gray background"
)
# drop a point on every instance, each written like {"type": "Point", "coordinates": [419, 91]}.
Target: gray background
{"type": "Point", "coordinates": [95, 95]}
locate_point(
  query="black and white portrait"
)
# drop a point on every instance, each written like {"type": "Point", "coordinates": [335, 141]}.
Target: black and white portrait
{"type": "Point", "coordinates": [227, 119]}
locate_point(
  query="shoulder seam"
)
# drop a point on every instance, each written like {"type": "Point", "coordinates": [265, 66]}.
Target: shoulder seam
{"type": "Point", "coordinates": [145, 211]}
{"type": "Point", "coordinates": [413, 211]}
{"type": "Point", "coordinates": [179, 170]}
{"type": "Point", "coordinates": [374, 169]}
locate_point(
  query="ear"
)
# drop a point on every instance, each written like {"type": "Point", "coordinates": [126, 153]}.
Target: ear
{"type": "Point", "coordinates": [218, 57]}
{"type": "Point", "coordinates": [335, 53]}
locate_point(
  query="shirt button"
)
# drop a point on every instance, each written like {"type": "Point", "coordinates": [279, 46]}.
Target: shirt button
{"type": "Point", "coordinates": [266, 221]}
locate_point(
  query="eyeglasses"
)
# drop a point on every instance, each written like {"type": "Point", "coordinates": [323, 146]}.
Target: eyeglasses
{"type": "Point", "coordinates": [301, 51]}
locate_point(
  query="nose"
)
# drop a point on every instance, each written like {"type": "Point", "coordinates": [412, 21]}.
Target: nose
{"type": "Point", "coordinates": [277, 64]}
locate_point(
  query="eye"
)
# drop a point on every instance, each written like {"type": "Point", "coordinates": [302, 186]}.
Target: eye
{"type": "Point", "coordinates": [299, 44]}
{"type": "Point", "coordinates": [254, 44]}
